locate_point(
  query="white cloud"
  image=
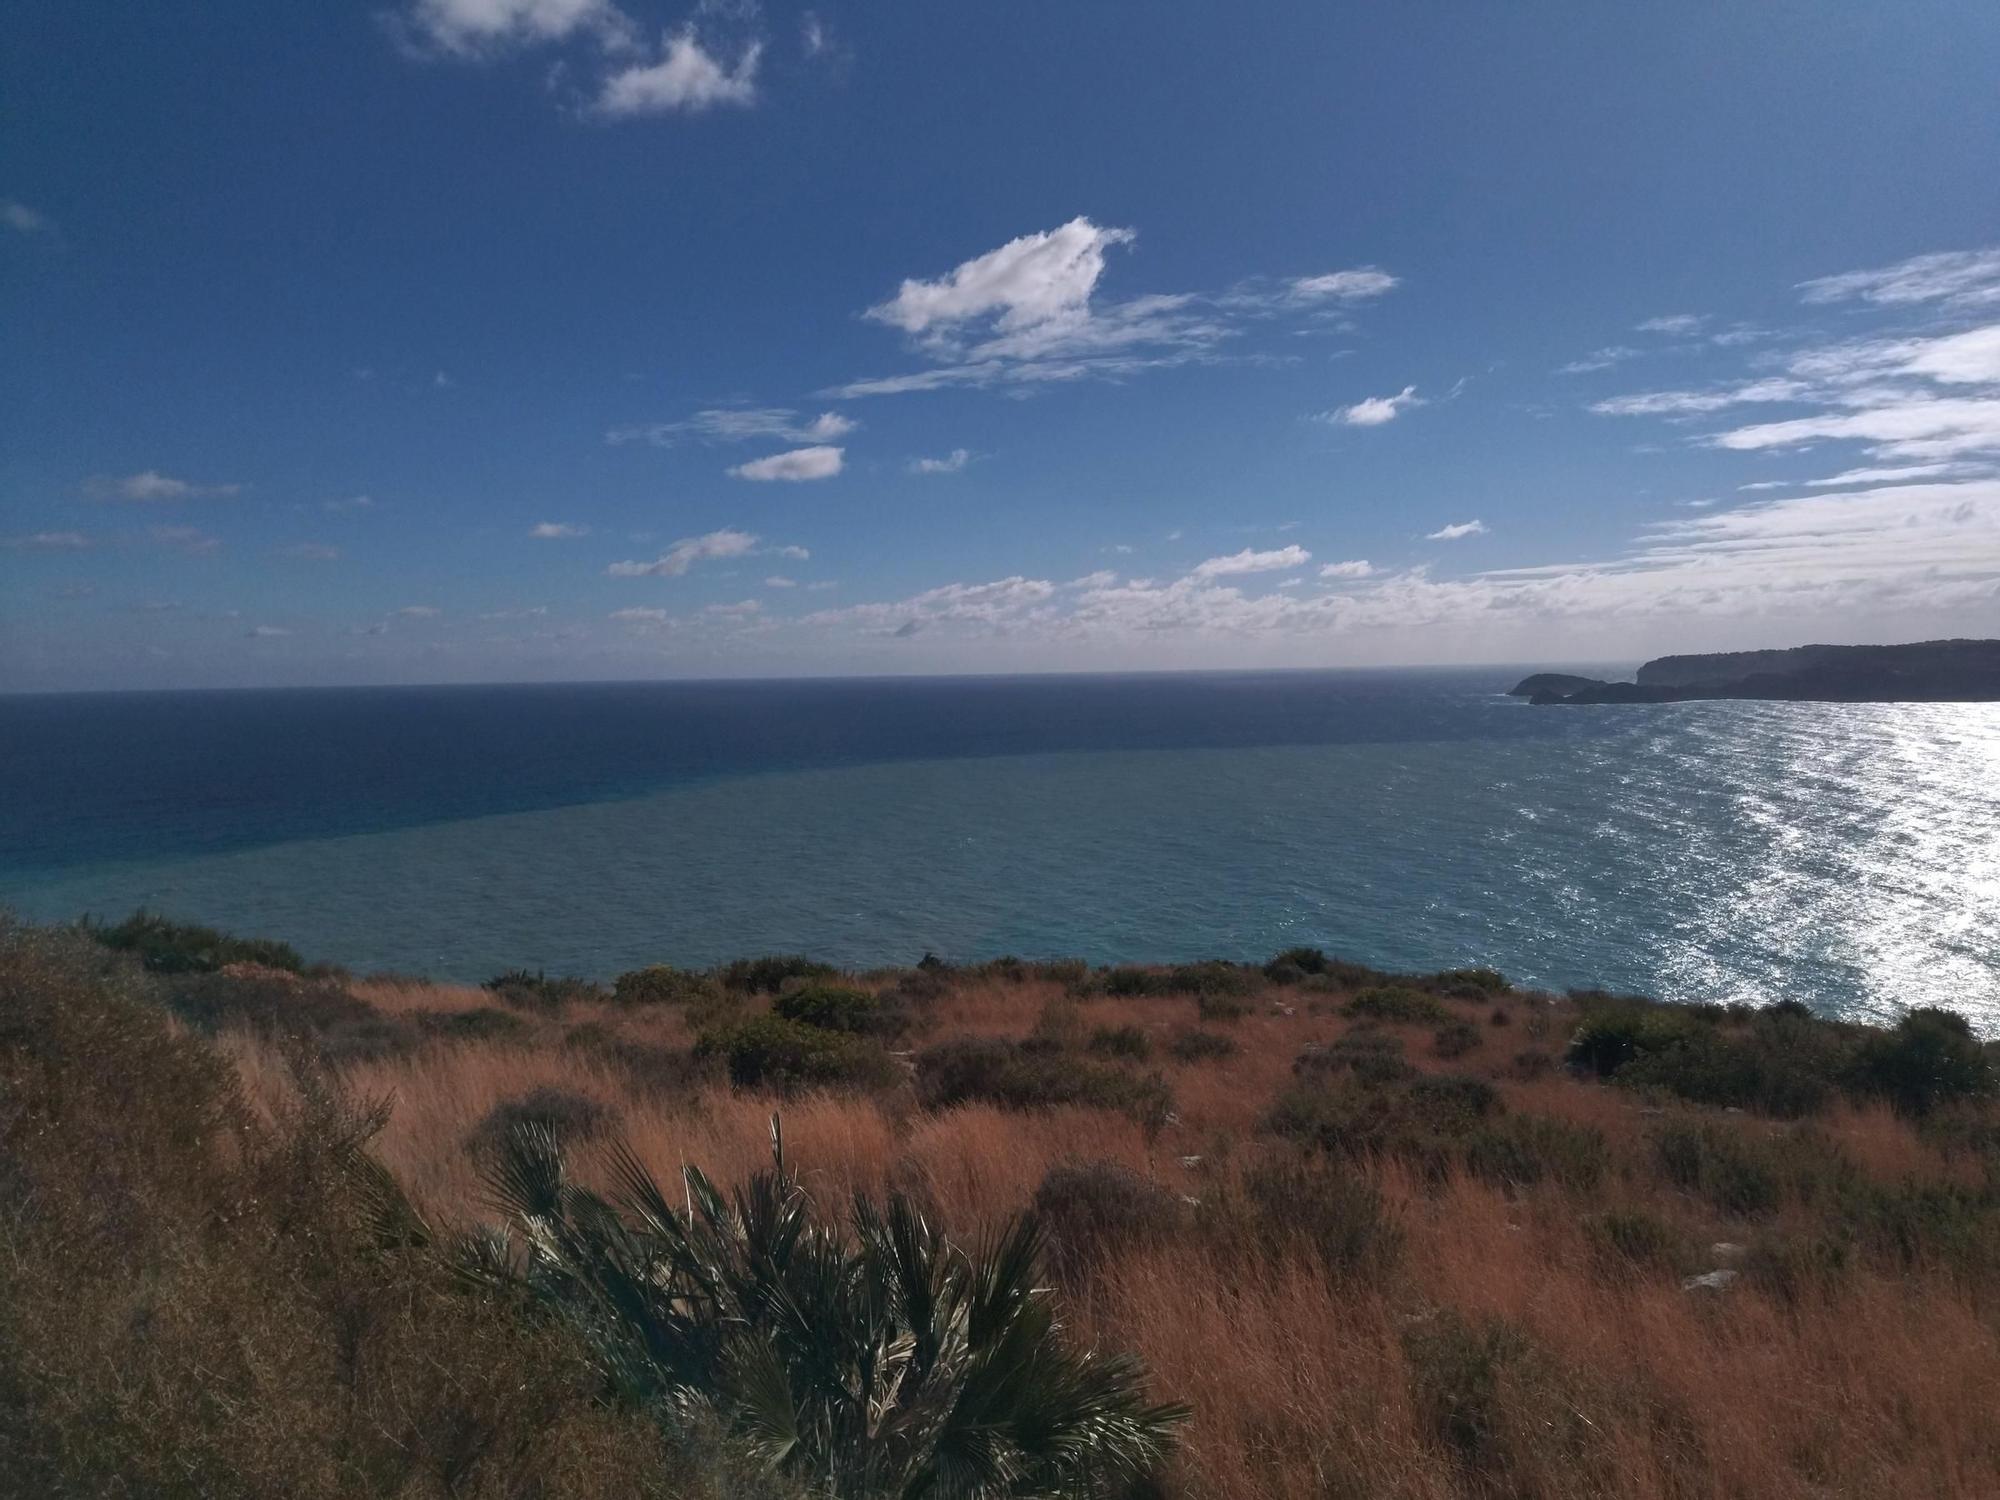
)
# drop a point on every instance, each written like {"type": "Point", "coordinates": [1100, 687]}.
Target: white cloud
{"type": "Point", "coordinates": [951, 463]}
{"type": "Point", "coordinates": [555, 531]}
{"type": "Point", "coordinates": [312, 552]}
{"type": "Point", "coordinates": [820, 462]}
{"type": "Point", "coordinates": [1358, 567]}
{"type": "Point", "coordinates": [1955, 277]}
{"type": "Point", "coordinates": [639, 615]}
{"type": "Point", "coordinates": [1918, 427]}
{"type": "Point", "coordinates": [1693, 403]}
{"type": "Point", "coordinates": [1344, 286]}
{"type": "Point", "coordinates": [151, 485]}
{"type": "Point", "coordinates": [1601, 359]}
{"type": "Point", "coordinates": [1376, 410]}
{"type": "Point", "coordinates": [471, 28]}
{"type": "Point", "coordinates": [1251, 561]}
{"type": "Point", "coordinates": [48, 541]}
{"type": "Point", "coordinates": [267, 632]}
{"type": "Point", "coordinates": [1102, 578]}
{"type": "Point", "coordinates": [1673, 323]}
{"type": "Point", "coordinates": [989, 605]}
{"type": "Point", "coordinates": [686, 77]}
{"type": "Point", "coordinates": [736, 424]}
{"type": "Point", "coordinates": [684, 554]}
{"type": "Point", "coordinates": [417, 612]}
{"type": "Point", "coordinates": [349, 503]}
{"type": "Point", "coordinates": [1456, 530]}
{"type": "Point", "coordinates": [22, 219]}
{"type": "Point", "coordinates": [185, 539]}
{"type": "Point", "coordinates": [780, 581]}
{"type": "Point", "coordinates": [791, 553]}
{"type": "Point", "coordinates": [741, 609]}
{"type": "Point", "coordinates": [1033, 280]}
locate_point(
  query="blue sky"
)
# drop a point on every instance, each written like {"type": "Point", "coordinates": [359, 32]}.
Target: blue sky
{"type": "Point", "coordinates": [511, 339]}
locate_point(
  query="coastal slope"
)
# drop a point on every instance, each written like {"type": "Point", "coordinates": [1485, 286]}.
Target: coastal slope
{"type": "Point", "coordinates": [1953, 671]}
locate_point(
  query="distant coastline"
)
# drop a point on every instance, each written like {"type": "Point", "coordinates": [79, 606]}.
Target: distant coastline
{"type": "Point", "coordinates": [1954, 671]}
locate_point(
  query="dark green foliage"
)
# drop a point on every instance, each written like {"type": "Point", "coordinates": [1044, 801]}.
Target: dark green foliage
{"type": "Point", "coordinates": [485, 1024]}
{"type": "Point", "coordinates": [1930, 1058]}
{"type": "Point", "coordinates": [539, 991]}
{"type": "Point", "coordinates": [1780, 1061]}
{"type": "Point", "coordinates": [1456, 1038]}
{"type": "Point", "coordinates": [1373, 1057]}
{"type": "Point", "coordinates": [1296, 962]}
{"type": "Point", "coordinates": [1456, 1372]}
{"type": "Point", "coordinates": [1219, 1006]}
{"type": "Point", "coordinates": [1128, 1042]}
{"type": "Point", "coordinates": [166, 947]}
{"type": "Point", "coordinates": [768, 1051]}
{"type": "Point", "coordinates": [768, 975]}
{"type": "Point", "coordinates": [1201, 1046]}
{"type": "Point", "coordinates": [1428, 1122]}
{"type": "Point", "coordinates": [1521, 1150]}
{"type": "Point", "coordinates": [1470, 984]}
{"type": "Point", "coordinates": [662, 984]}
{"type": "Point", "coordinates": [320, 1013]}
{"type": "Point", "coordinates": [1624, 1238]}
{"type": "Point", "coordinates": [1751, 1174]}
{"type": "Point", "coordinates": [1296, 1202]}
{"type": "Point", "coordinates": [879, 1359]}
{"type": "Point", "coordinates": [995, 1071]}
{"type": "Point", "coordinates": [837, 1008]}
{"type": "Point", "coordinates": [1091, 1209]}
{"type": "Point", "coordinates": [1397, 1004]}
{"type": "Point", "coordinates": [1212, 980]}
{"type": "Point", "coordinates": [569, 1116]}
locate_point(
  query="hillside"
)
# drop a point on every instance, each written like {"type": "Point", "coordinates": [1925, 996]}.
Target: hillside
{"type": "Point", "coordinates": [1386, 1235]}
{"type": "Point", "coordinates": [1958, 671]}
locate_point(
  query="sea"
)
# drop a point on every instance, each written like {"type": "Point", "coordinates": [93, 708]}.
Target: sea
{"type": "Point", "coordinates": [1843, 855]}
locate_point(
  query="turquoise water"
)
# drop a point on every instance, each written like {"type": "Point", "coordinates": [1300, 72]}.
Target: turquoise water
{"type": "Point", "coordinates": [1845, 855]}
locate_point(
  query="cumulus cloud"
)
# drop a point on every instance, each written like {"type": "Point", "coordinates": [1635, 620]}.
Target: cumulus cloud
{"type": "Point", "coordinates": [1456, 530]}
{"type": "Point", "coordinates": [151, 485]}
{"type": "Point", "coordinates": [472, 28]}
{"type": "Point", "coordinates": [686, 77]}
{"type": "Point", "coordinates": [556, 531]}
{"type": "Point", "coordinates": [684, 554]}
{"type": "Point", "coordinates": [1034, 280]}
{"type": "Point", "coordinates": [951, 463]}
{"type": "Point", "coordinates": [1376, 410]}
{"type": "Point", "coordinates": [1358, 567]}
{"type": "Point", "coordinates": [736, 424]}
{"type": "Point", "coordinates": [819, 462]}
{"type": "Point", "coordinates": [1252, 561]}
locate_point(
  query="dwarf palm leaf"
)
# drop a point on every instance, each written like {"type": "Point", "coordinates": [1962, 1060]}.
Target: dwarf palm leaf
{"type": "Point", "coordinates": [876, 1360]}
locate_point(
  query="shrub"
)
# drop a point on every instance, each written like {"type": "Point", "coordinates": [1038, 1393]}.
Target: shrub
{"type": "Point", "coordinates": [1780, 1061]}
{"type": "Point", "coordinates": [1093, 1209]}
{"type": "Point", "coordinates": [1220, 1007]}
{"type": "Point", "coordinates": [1456, 1038]}
{"type": "Point", "coordinates": [662, 984]}
{"type": "Point", "coordinates": [769, 1051]}
{"type": "Point", "coordinates": [1735, 1174]}
{"type": "Point", "coordinates": [323, 1015]}
{"type": "Point", "coordinates": [1456, 1371]}
{"type": "Point", "coordinates": [1121, 1041]}
{"type": "Point", "coordinates": [1373, 1057]}
{"type": "Point", "coordinates": [1211, 979]}
{"type": "Point", "coordinates": [1337, 1216]}
{"type": "Point", "coordinates": [568, 1115]}
{"type": "Point", "coordinates": [1470, 984]}
{"type": "Point", "coordinates": [539, 991]}
{"type": "Point", "coordinates": [1397, 1003]}
{"type": "Point", "coordinates": [995, 1071]}
{"type": "Point", "coordinates": [1520, 1150]}
{"type": "Point", "coordinates": [483, 1024]}
{"type": "Point", "coordinates": [165, 947]}
{"type": "Point", "coordinates": [1631, 1237]}
{"type": "Point", "coordinates": [1929, 1058]}
{"type": "Point", "coordinates": [1193, 1046]}
{"type": "Point", "coordinates": [836, 1008]}
{"type": "Point", "coordinates": [768, 975]}
{"type": "Point", "coordinates": [1425, 1121]}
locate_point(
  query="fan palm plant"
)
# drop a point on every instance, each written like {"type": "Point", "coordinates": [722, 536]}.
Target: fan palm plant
{"type": "Point", "coordinates": [883, 1361]}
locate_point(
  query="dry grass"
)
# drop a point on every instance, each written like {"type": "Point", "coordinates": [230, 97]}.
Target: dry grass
{"type": "Point", "coordinates": [1504, 1350]}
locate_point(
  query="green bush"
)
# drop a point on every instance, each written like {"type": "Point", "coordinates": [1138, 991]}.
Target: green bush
{"type": "Point", "coordinates": [165, 947]}
{"type": "Point", "coordinates": [768, 975]}
{"type": "Point", "coordinates": [662, 984]}
{"type": "Point", "coordinates": [484, 1024]}
{"type": "Point", "coordinates": [833, 1007]}
{"type": "Point", "coordinates": [1456, 1038]}
{"type": "Point", "coordinates": [1094, 1208]}
{"type": "Point", "coordinates": [1397, 1004]}
{"type": "Point", "coordinates": [570, 1116]}
{"type": "Point", "coordinates": [1632, 1237]}
{"type": "Point", "coordinates": [1456, 1373]}
{"type": "Point", "coordinates": [1201, 1046]}
{"type": "Point", "coordinates": [1930, 1058]}
{"type": "Point", "coordinates": [1212, 979]}
{"type": "Point", "coordinates": [539, 991]}
{"type": "Point", "coordinates": [320, 1013]}
{"type": "Point", "coordinates": [1427, 1122]}
{"type": "Point", "coordinates": [1471, 984]}
{"type": "Point", "coordinates": [996, 1071]}
{"type": "Point", "coordinates": [1747, 1174]}
{"type": "Point", "coordinates": [768, 1051]}
{"type": "Point", "coordinates": [1338, 1217]}
{"type": "Point", "coordinates": [1373, 1057]}
{"type": "Point", "coordinates": [1520, 1150]}
{"type": "Point", "coordinates": [1121, 1041]}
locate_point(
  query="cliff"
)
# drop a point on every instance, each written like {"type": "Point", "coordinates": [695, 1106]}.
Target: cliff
{"type": "Point", "coordinates": [1955, 671]}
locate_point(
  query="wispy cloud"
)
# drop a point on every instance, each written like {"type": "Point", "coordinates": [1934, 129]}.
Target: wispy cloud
{"type": "Point", "coordinates": [1357, 285]}
{"type": "Point", "coordinates": [24, 220]}
{"type": "Point", "coordinates": [737, 424]}
{"type": "Point", "coordinates": [684, 554]}
{"type": "Point", "coordinates": [47, 541]}
{"type": "Point", "coordinates": [348, 503]}
{"type": "Point", "coordinates": [1965, 278]}
{"type": "Point", "coordinates": [819, 462]}
{"type": "Point", "coordinates": [1455, 531]}
{"type": "Point", "coordinates": [1600, 359]}
{"type": "Point", "coordinates": [556, 531]}
{"type": "Point", "coordinates": [311, 552]}
{"type": "Point", "coordinates": [1251, 561]}
{"type": "Point", "coordinates": [151, 485]}
{"type": "Point", "coordinates": [184, 539]}
{"type": "Point", "coordinates": [1376, 410]}
{"type": "Point", "coordinates": [417, 612]}
{"type": "Point", "coordinates": [951, 463]}
{"type": "Point", "coordinates": [1676, 324]}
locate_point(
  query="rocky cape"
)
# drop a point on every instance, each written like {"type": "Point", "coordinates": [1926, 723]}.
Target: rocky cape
{"type": "Point", "coordinates": [1956, 671]}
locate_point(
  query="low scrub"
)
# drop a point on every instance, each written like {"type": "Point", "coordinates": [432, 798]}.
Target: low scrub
{"type": "Point", "coordinates": [1093, 1209]}
{"type": "Point", "coordinates": [832, 1007]}
{"type": "Point", "coordinates": [1128, 1042]}
{"type": "Point", "coordinates": [1194, 1046]}
{"type": "Point", "coordinates": [663, 984]}
{"type": "Point", "coordinates": [1398, 1005]}
{"type": "Point", "coordinates": [165, 947]}
{"type": "Point", "coordinates": [534, 990]}
{"type": "Point", "coordinates": [991, 1070]}
{"type": "Point", "coordinates": [769, 1051]}
{"type": "Point", "coordinates": [770, 974]}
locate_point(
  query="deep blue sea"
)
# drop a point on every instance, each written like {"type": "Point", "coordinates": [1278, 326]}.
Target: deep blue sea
{"type": "Point", "coordinates": [1844, 855]}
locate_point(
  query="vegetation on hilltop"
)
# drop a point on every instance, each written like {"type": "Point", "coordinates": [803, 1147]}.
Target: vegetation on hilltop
{"type": "Point", "coordinates": [1403, 1235]}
